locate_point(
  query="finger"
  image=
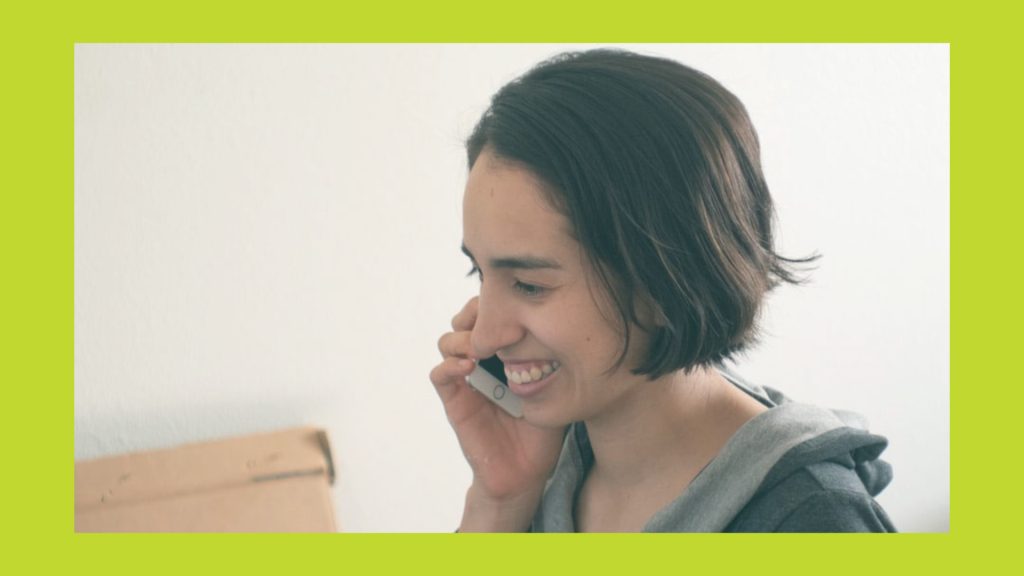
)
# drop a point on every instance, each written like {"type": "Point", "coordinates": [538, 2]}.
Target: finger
{"type": "Point", "coordinates": [466, 318]}
{"type": "Point", "coordinates": [450, 375]}
{"type": "Point", "coordinates": [455, 344]}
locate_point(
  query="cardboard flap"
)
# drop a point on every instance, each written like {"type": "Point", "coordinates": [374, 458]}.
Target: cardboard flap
{"type": "Point", "coordinates": [202, 467]}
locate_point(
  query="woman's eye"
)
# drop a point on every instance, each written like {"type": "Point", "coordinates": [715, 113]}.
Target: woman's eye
{"type": "Point", "coordinates": [529, 289]}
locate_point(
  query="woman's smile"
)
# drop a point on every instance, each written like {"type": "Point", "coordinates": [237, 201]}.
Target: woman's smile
{"type": "Point", "coordinates": [527, 379]}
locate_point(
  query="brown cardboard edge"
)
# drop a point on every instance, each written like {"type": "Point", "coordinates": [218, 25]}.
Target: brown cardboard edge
{"type": "Point", "coordinates": [315, 440]}
{"type": "Point", "coordinates": [325, 446]}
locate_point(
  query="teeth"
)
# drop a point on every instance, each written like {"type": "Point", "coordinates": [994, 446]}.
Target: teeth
{"type": "Point", "coordinates": [533, 374]}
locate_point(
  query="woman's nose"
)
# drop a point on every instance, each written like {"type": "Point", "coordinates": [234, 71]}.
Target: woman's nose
{"type": "Point", "coordinates": [496, 327]}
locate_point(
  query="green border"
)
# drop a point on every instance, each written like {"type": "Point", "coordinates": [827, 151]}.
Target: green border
{"type": "Point", "coordinates": [37, 239]}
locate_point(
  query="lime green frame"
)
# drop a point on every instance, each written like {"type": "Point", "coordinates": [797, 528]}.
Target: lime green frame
{"type": "Point", "coordinates": [37, 318]}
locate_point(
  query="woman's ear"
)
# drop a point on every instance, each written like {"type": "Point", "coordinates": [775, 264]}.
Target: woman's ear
{"type": "Point", "coordinates": [649, 312]}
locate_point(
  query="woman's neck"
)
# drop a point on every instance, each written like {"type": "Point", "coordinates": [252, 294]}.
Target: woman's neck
{"type": "Point", "coordinates": [668, 429]}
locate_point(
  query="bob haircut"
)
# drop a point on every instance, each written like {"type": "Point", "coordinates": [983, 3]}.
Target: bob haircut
{"type": "Point", "coordinates": [656, 166]}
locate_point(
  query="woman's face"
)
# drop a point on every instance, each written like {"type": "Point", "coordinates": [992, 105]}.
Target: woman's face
{"type": "Point", "coordinates": [541, 309]}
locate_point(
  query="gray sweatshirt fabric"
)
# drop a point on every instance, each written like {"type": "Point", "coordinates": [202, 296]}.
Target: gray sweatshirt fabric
{"type": "Point", "coordinates": [792, 468]}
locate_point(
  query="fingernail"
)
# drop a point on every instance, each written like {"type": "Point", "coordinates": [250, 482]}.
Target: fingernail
{"type": "Point", "coordinates": [465, 364]}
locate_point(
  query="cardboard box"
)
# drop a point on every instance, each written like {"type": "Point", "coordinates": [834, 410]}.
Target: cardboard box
{"type": "Point", "coordinates": [276, 482]}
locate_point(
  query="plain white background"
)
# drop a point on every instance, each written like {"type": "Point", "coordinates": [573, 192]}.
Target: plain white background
{"type": "Point", "coordinates": [268, 236]}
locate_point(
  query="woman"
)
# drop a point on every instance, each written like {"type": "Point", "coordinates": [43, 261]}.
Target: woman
{"type": "Point", "coordinates": [617, 216]}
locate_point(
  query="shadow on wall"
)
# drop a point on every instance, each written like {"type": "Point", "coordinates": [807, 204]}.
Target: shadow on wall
{"type": "Point", "coordinates": [110, 432]}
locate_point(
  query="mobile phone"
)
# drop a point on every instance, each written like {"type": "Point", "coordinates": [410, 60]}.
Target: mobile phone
{"type": "Point", "coordinates": [489, 379]}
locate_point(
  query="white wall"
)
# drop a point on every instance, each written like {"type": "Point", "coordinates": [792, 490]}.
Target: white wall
{"type": "Point", "coordinates": [268, 236]}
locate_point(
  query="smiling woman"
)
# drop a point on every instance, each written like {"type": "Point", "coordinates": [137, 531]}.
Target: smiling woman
{"type": "Point", "coordinates": [617, 216]}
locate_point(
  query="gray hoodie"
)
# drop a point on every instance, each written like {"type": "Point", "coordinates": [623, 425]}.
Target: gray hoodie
{"type": "Point", "coordinates": [793, 468]}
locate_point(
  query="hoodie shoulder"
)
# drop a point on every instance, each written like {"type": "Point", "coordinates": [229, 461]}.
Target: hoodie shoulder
{"type": "Point", "coordinates": [825, 483]}
{"type": "Point", "coordinates": [820, 497]}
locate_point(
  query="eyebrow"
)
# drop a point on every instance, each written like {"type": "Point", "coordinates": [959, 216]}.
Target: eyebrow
{"type": "Point", "coordinates": [518, 262]}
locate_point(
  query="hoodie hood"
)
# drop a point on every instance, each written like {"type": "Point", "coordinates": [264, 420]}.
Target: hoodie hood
{"type": "Point", "coordinates": [763, 452]}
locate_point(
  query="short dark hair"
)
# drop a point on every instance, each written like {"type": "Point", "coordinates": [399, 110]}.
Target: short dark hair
{"type": "Point", "coordinates": [656, 166]}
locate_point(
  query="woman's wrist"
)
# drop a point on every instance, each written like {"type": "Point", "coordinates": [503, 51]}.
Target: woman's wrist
{"type": "Point", "coordinates": [486, 514]}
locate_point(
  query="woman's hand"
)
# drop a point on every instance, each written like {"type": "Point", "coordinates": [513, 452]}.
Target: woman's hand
{"type": "Point", "coordinates": [511, 459]}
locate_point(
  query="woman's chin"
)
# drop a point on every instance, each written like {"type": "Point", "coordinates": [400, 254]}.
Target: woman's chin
{"type": "Point", "coordinates": [541, 418]}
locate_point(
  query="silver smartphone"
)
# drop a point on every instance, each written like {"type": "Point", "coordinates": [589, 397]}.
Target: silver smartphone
{"type": "Point", "coordinates": [489, 379]}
